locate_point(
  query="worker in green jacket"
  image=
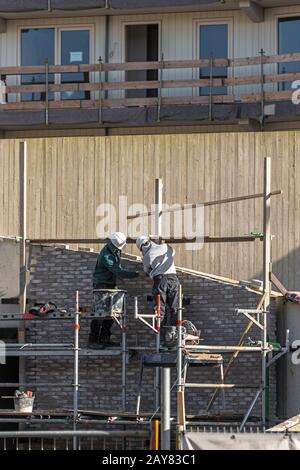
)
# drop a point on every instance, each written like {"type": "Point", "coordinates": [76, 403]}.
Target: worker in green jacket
{"type": "Point", "coordinates": [107, 270]}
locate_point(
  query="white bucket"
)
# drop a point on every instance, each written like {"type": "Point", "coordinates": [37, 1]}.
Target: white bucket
{"type": "Point", "coordinates": [24, 405]}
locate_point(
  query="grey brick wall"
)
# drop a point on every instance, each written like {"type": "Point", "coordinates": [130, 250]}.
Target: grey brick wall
{"type": "Point", "coordinates": [56, 273]}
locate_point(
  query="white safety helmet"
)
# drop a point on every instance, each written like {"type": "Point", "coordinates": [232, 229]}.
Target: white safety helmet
{"type": "Point", "coordinates": [142, 241]}
{"type": "Point", "coordinates": [118, 239]}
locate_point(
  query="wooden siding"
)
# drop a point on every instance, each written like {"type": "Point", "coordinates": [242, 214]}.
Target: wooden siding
{"type": "Point", "coordinates": [69, 177]}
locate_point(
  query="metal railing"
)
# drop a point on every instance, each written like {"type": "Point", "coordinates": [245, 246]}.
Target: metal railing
{"type": "Point", "coordinates": [74, 440]}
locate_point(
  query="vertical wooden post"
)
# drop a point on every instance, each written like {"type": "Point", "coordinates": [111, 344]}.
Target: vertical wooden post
{"type": "Point", "coordinates": [266, 278]}
{"type": "Point", "coordinates": [23, 236]}
{"type": "Point", "coordinates": [158, 209]}
{"type": "Point", "coordinates": [23, 224]}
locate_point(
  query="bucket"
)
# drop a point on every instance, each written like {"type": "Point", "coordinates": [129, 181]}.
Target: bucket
{"type": "Point", "coordinates": [109, 302]}
{"type": "Point", "coordinates": [24, 405]}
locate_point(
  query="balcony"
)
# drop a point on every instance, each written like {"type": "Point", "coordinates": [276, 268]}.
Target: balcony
{"type": "Point", "coordinates": [254, 91]}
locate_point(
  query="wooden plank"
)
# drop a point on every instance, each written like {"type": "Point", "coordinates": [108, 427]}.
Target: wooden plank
{"type": "Point", "coordinates": [39, 105]}
{"type": "Point", "coordinates": [131, 241]}
{"type": "Point", "coordinates": [269, 96]}
{"type": "Point", "coordinates": [165, 101]}
{"type": "Point", "coordinates": [278, 284]}
{"type": "Point", "coordinates": [150, 65]}
{"type": "Point", "coordinates": [212, 203]}
{"type": "Point", "coordinates": [154, 84]}
{"type": "Point", "coordinates": [23, 225]}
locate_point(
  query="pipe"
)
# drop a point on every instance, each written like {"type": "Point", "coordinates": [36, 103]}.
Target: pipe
{"type": "Point", "coordinates": [157, 377]}
{"type": "Point", "coordinates": [136, 308]}
{"type": "Point", "coordinates": [106, 52]}
{"type": "Point", "coordinates": [165, 408]}
{"type": "Point", "coordinates": [76, 368]}
{"type": "Point", "coordinates": [180, 389]}
{"type": "Point", "coordinates": [124, 357]}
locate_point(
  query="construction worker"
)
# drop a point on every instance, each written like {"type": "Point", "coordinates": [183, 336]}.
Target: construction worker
{"type": "Point", "coordinates": [158, 263]}
{"type": "Point", "coordinates": [107, 270]}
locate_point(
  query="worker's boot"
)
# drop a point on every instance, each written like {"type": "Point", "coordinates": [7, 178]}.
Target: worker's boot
{"type": "Point", "coordinates": [105, 342]}
{"type": "Point", "coordinates": [111, 344]}
{"type": "Point", "coordinates": [105, 335]}
{"type": "Point", "coordinates": [94, 334]}
{"type": "Point", "coordinates": [94, 343]}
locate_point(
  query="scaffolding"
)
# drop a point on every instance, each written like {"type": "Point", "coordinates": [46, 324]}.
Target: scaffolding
{"type": "Point", "coordinates": [258, 317]}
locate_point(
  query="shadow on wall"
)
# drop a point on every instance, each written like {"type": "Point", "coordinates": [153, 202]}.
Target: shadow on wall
{"type": "Point", "coordinates": [287, 269]}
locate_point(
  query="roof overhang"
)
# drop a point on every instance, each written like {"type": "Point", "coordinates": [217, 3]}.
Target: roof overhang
{"type": "Point", "coordinates": [14, 9]}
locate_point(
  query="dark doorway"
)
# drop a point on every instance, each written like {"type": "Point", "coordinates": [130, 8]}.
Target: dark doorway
{"type": "Point", "coordinates": [9, 373]}
{"type": "Point", "coordinates": [142, 45]}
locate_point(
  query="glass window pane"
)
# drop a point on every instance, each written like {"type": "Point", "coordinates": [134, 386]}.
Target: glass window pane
{"type": "Point", "coordinates": [288, 43]}
{"type": "Point", "coordinates": [75, 49]}
{"type": "Point", "coordinates": [214, 43]}
{"type": "Point", "coordinates": [37, 46]}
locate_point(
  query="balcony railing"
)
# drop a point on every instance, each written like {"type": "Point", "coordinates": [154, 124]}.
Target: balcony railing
{"type": "Point", "coordinates": [105, 84]}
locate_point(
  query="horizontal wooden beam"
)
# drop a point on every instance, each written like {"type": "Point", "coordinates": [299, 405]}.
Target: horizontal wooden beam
{"type": "Point", "coordinates": [153, 84]}
{"type": "Point", "coordinates": [113, 103]}
{"type": "Point", "coordinates": [95, 86]}
{"type": "Point", "coordinates": [141, 102]}
{"type": "Point", "coordinates": [217, 202]}
{"type": "Point", "coordinates": [132, 241]}
{"type": "Point", "coordinates": [169, 64]}
{"type": "Point", "coordinates": [269, 96]}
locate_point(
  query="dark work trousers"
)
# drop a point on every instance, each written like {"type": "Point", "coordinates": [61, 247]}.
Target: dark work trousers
{"type": "Point", "coordinates": [101, 327]}
{"type": "Point", "coordinates": [167, 286]}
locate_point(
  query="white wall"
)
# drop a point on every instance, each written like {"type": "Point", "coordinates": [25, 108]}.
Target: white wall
{"type": "Point", "coordinates": [178, 38]}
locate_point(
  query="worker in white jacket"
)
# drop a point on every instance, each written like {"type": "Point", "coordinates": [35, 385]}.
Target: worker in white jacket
{"type": "Point", "coordinates": [158, 263]}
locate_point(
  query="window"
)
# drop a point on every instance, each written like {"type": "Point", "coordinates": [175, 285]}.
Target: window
{"type": "Point", "coordinates": [288, 43]}
{"type": "Point", "coordinates": [75, 49]}
{"type": "Point", "coordinates": [37, 46]}
{"type": "Point", "coordinates": [71, 47]}
{"type": "Point", "coordinates": [213, 42]}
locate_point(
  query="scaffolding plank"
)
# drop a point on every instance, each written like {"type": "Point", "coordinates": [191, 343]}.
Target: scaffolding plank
{"type": "Point", "coordinates": [64, 353]}
{"type": "Point", "coordinates": [50, 316]}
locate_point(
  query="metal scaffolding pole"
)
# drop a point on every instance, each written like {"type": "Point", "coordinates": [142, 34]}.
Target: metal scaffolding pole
{"type": "Point", "coordinates": [124, 356]}
{"type": "Point", "coordinates": [76, 368]}
{"type": "Point", "coordinates": [267, 268]}
{"type": "Point", "coordinates": [158, 193]}
{"type": "Point", "coordinates": [157, 373]}
{"type": "Point", "coordinates": [165, 408]}
{"type": "Point", "coordinates": [180, 387]}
